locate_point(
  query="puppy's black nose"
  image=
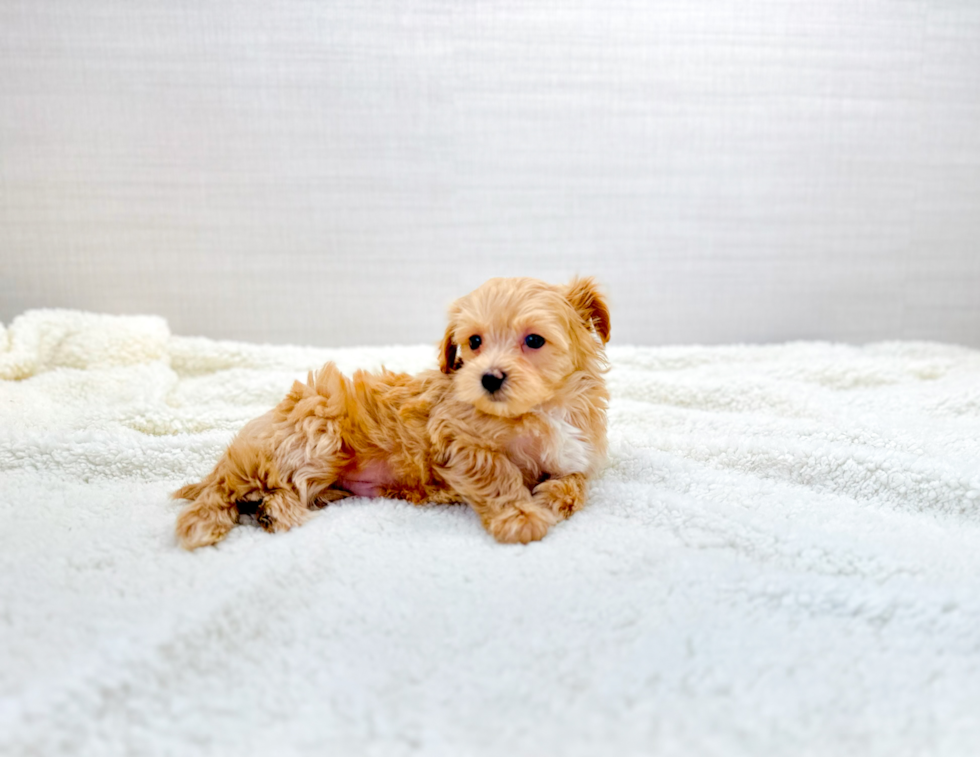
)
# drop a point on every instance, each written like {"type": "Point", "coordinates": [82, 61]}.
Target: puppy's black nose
{"type": "Point", "coordinates": [493, 381]}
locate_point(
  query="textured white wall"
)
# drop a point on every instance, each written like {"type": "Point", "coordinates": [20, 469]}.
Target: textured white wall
{"type": "Point", "coordinates": [336, 172]}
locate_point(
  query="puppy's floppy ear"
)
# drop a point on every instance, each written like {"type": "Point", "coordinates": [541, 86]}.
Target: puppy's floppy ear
{"type": "Point", "coordinates": [447, 352]}
{"type": "Point", "coordinates": [588, 301]}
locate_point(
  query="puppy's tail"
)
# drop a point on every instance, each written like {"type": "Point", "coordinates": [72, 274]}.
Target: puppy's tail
{"type": "Point", "coordinates": [191, 491]}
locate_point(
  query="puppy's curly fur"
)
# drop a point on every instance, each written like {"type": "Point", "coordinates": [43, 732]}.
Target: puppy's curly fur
{"type": "Point", "coordinates": [513, 423]}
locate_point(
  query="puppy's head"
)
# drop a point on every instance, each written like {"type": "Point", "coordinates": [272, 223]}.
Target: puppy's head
{"type": "Point", "coordinates": [511, 344]}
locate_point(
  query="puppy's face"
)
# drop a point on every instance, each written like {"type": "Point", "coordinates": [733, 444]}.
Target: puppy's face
{"type": "Point", "coordinates": [512, 343]}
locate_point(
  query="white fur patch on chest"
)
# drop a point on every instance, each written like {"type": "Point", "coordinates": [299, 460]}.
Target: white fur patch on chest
{"type": "Point", "coordinates": [569, 452]}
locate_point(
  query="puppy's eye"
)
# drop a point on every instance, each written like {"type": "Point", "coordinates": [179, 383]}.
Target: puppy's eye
{"type": "Point", "coordinates": [534, 341]}
{"type": "Point", "coordinates": [475, 342]}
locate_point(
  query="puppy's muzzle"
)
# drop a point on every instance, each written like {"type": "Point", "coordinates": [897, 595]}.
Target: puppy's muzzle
{"type": "Point", "coordinates": [493, 380]}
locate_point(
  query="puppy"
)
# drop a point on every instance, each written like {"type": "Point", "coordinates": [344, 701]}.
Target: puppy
{"type": "Point", "coordinates": [513, 423]}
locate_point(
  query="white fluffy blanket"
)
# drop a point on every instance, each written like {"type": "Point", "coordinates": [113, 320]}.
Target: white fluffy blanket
{"type": "Point", "coordinates": [783, 557]}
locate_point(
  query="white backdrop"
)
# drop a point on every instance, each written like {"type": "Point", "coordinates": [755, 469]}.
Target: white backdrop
{"type": "Point", "coordinates": [336, 172]}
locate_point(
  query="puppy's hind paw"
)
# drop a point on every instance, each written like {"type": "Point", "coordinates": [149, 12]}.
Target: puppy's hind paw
{"type": "Point", "coordinates": [520, 524]}
{"type": "Point", "coordinates": [204, 525]}
{"type": "Point", "coordinates": [280, 511]}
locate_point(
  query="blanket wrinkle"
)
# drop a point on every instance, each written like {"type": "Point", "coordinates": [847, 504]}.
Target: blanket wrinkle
{"type": "Point", "coordinates": [781, 556]}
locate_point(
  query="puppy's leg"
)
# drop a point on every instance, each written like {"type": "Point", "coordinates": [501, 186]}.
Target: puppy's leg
{"type": "Point", "coordinates": [309, 442]}
{"type": "Point", "coordinates": [207, 519]}
{"type": "Point", "coordinates": [563, 495]}
{"type": "Point", "coordinates": [245, 473]}
{"type": "Point", "coordinates": [219, 499]}
{"type": "Point", "coordinates": [280, 510]}
{"type": "Point", "coordinates": [281, 464]}
{"type": "Point", "coordinates": [494, 487]}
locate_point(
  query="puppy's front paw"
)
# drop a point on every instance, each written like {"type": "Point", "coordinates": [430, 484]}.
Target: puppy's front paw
{"type": "Point", "coordinates": [521, 524]}
{"type": "Point", "coordinates": [564, 495]}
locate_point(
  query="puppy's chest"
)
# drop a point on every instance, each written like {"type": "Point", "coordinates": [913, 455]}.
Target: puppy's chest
{"type": "Point", "coordinates": [551, 443]}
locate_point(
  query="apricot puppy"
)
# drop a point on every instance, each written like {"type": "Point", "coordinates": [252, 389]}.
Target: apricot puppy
{"type": "Point", "coordinates": [513, 423]}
